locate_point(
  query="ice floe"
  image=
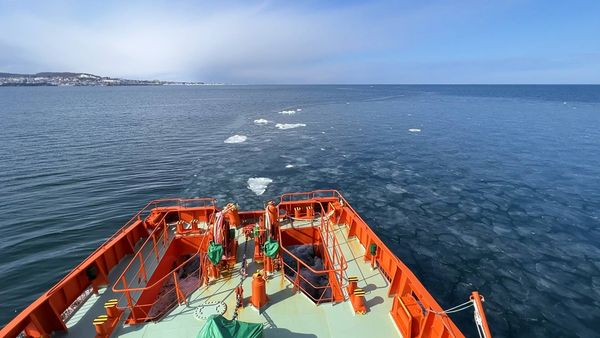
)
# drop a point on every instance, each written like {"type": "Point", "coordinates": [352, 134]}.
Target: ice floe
{"type": "Point", "coordinates": [236, 139]}
{"type": "Point", "coordinates": [289, 166]}
{"type": "Point", "coordinates": [395, 189]}
{"type": "Point", "coordinates": [283, 126]}
{"type": "Point", "coordinates": [261, 121]}
{"type": "Point", "coordinates": [287, 112]}
{"type": "Point", "coordinates": [414, 130]}
{"type": "Point", "coordinates": [258, 185]}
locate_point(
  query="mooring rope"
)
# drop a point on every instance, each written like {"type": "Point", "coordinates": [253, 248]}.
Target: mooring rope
{"type": "Point", "coordinates": [454, 309]}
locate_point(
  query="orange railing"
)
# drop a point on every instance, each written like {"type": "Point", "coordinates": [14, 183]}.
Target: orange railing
{"type": "Point", "coordinates": [53, 308]}
{"type": "Point", "coordinates": [165, 301]}
{"type": "Point", "coordinates": [424, 311]}
{"type": "Point", "coordinates": [333, 252]}
{"type": "Point", "coordinates": [132, 293]}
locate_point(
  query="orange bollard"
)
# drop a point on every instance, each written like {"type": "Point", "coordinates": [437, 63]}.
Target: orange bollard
{"type": "Point", "coordinates": [297, 212]}
{"type": "Point", "coordinates": [259, 290]}
{"type": "Point", "coordinates": [112, 311]}
{"type": "Point", "coordinates": [352, 282]}
{"type": "Point", "coordinates": [310, 212]}
{"type": "Point", "coordinates": [358, 301]}
{"type": "Point", "coordinates": [100, 324]}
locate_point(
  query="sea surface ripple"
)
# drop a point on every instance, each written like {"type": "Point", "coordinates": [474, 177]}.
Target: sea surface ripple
{"type": "Point", "coordinates": [489, 188]}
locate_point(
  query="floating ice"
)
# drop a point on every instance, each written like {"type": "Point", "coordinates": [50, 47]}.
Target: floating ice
{"type": "Point", "coordinates": [323, 149]}
{"type": "Point", "coordinates": [299, 109]}
{"type": "Point", "coordinates": [287, 112]}
{"type": "Point", "coordinates": [258, 185]}
{"type": "Point", "coordinates": [283, 126]}
{"type": "Point", "coordinates": [414, 130]}
{"type": "Point", "coordinates": [395, 189]}
{"type": "Point", "coordinates": [236, 139]}
{"type": "Point", "coordinates": [261, 121]}
{"type": "Point", "coordinates": [289, 166]}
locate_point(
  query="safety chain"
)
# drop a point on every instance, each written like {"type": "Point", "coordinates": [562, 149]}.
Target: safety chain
{"type": "Point", "coordinates": [239, 289]}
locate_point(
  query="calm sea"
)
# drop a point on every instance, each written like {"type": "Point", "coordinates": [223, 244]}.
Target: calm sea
{"type": "Point", "coordinates": [494, 188]}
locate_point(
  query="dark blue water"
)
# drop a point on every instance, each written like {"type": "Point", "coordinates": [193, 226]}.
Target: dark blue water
{"type": "Point", "coordinates": [499, 190]}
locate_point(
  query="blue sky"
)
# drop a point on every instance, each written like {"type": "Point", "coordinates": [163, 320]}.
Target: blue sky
{"type": "Point", "coordinates": [307, 41]}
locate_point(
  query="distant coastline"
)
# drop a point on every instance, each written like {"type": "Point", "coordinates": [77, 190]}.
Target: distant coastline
{"type": "Point", "coordinates": [78, 79]}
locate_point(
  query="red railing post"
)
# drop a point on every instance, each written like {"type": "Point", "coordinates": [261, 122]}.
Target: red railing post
{"type": "Point", "coordinates": [297, 279]}
{"type": "Point", "coordinates": [143, 268]}
{"type": "Point", "coordinates": [178, 293]}
{"type": "Point", "coordinates": [129, 300]}
{"type": "Point", "coordinates": [154, 245]}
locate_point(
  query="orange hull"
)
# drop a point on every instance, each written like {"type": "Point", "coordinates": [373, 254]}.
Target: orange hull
{"type": "Point", "coordinates": [414, 311]}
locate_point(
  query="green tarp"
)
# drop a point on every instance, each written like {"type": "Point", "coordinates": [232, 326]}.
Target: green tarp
{"type": "Point", "coordinates": [220, 327]}
{"type": "Point", "coordinates": [271, 248]}
{"type": "Point", "coordinates": [215, 253]}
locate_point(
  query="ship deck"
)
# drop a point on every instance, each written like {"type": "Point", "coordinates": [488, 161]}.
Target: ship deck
{"type": "Point", "coordinates": [287, 314]}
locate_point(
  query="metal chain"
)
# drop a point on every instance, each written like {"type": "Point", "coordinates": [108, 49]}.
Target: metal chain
{"type": "Point", "coordinates": [243, 275]}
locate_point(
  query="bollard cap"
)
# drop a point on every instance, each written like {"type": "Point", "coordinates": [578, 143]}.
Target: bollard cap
{"type": "Point", "coordinates": [100, 319]}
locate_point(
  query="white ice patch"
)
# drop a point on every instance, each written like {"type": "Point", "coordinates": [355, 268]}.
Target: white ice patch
{"type": "Point", "coordinates": [236, 139]}
{"type": "Point", "coordinates": [284, 126]}
{"type": "Point", "coordinates": [261, 121]}
{"type": "Point", "coordinates": [414, 130]}
{"type": "Point", "coordinates": [289, 166]}
{"type": "Point", "coordinates": [299, 109]}
{"type": "Point", "coordinates": [258, 185]}
{"type": "Point", "coordinates": [395, 189]}
{"type": "Point", "coordinates": [287, 112]}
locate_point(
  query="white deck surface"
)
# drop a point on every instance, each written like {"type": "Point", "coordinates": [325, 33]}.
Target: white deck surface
{"type": "Point", "coordinates": [287, 314]}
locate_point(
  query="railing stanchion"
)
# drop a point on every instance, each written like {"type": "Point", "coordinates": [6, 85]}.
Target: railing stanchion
{"type": "Point", "coordinates": [176, 287]}
{"type": "Point", "coordinates": [129, 300]}
{"type": "Point", "coordinates": [154, 244]}
{"type": "Point", "coordinates": [143, 268]}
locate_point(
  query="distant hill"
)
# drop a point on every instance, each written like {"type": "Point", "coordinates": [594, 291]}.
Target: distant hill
{"type": "Point", "coordinates": [77, 79]}
{"type": "Point", "coordinates": [49, 74]}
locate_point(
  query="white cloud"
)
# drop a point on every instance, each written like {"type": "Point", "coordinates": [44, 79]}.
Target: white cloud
{"type": "Point", "coordinates": [242, 42]}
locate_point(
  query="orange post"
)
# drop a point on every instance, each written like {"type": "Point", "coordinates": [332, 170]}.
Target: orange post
{"type": "Point", "coordinates": [259, 290]}
{"type": "Point", "coordinates": [310, 212]}
{"type": "Point", "coordinates": [112, 311]}
{"type": "Point", "coordinates": [100, 325]}
{"type": "Point", "coordinates": [268, 265]}
{"type": "Point", "coordinates": [358, 301]}
{"type": "Point", "coordinates": [352, 282]}
{"type": "Point", "coordinates": [480, 314]}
